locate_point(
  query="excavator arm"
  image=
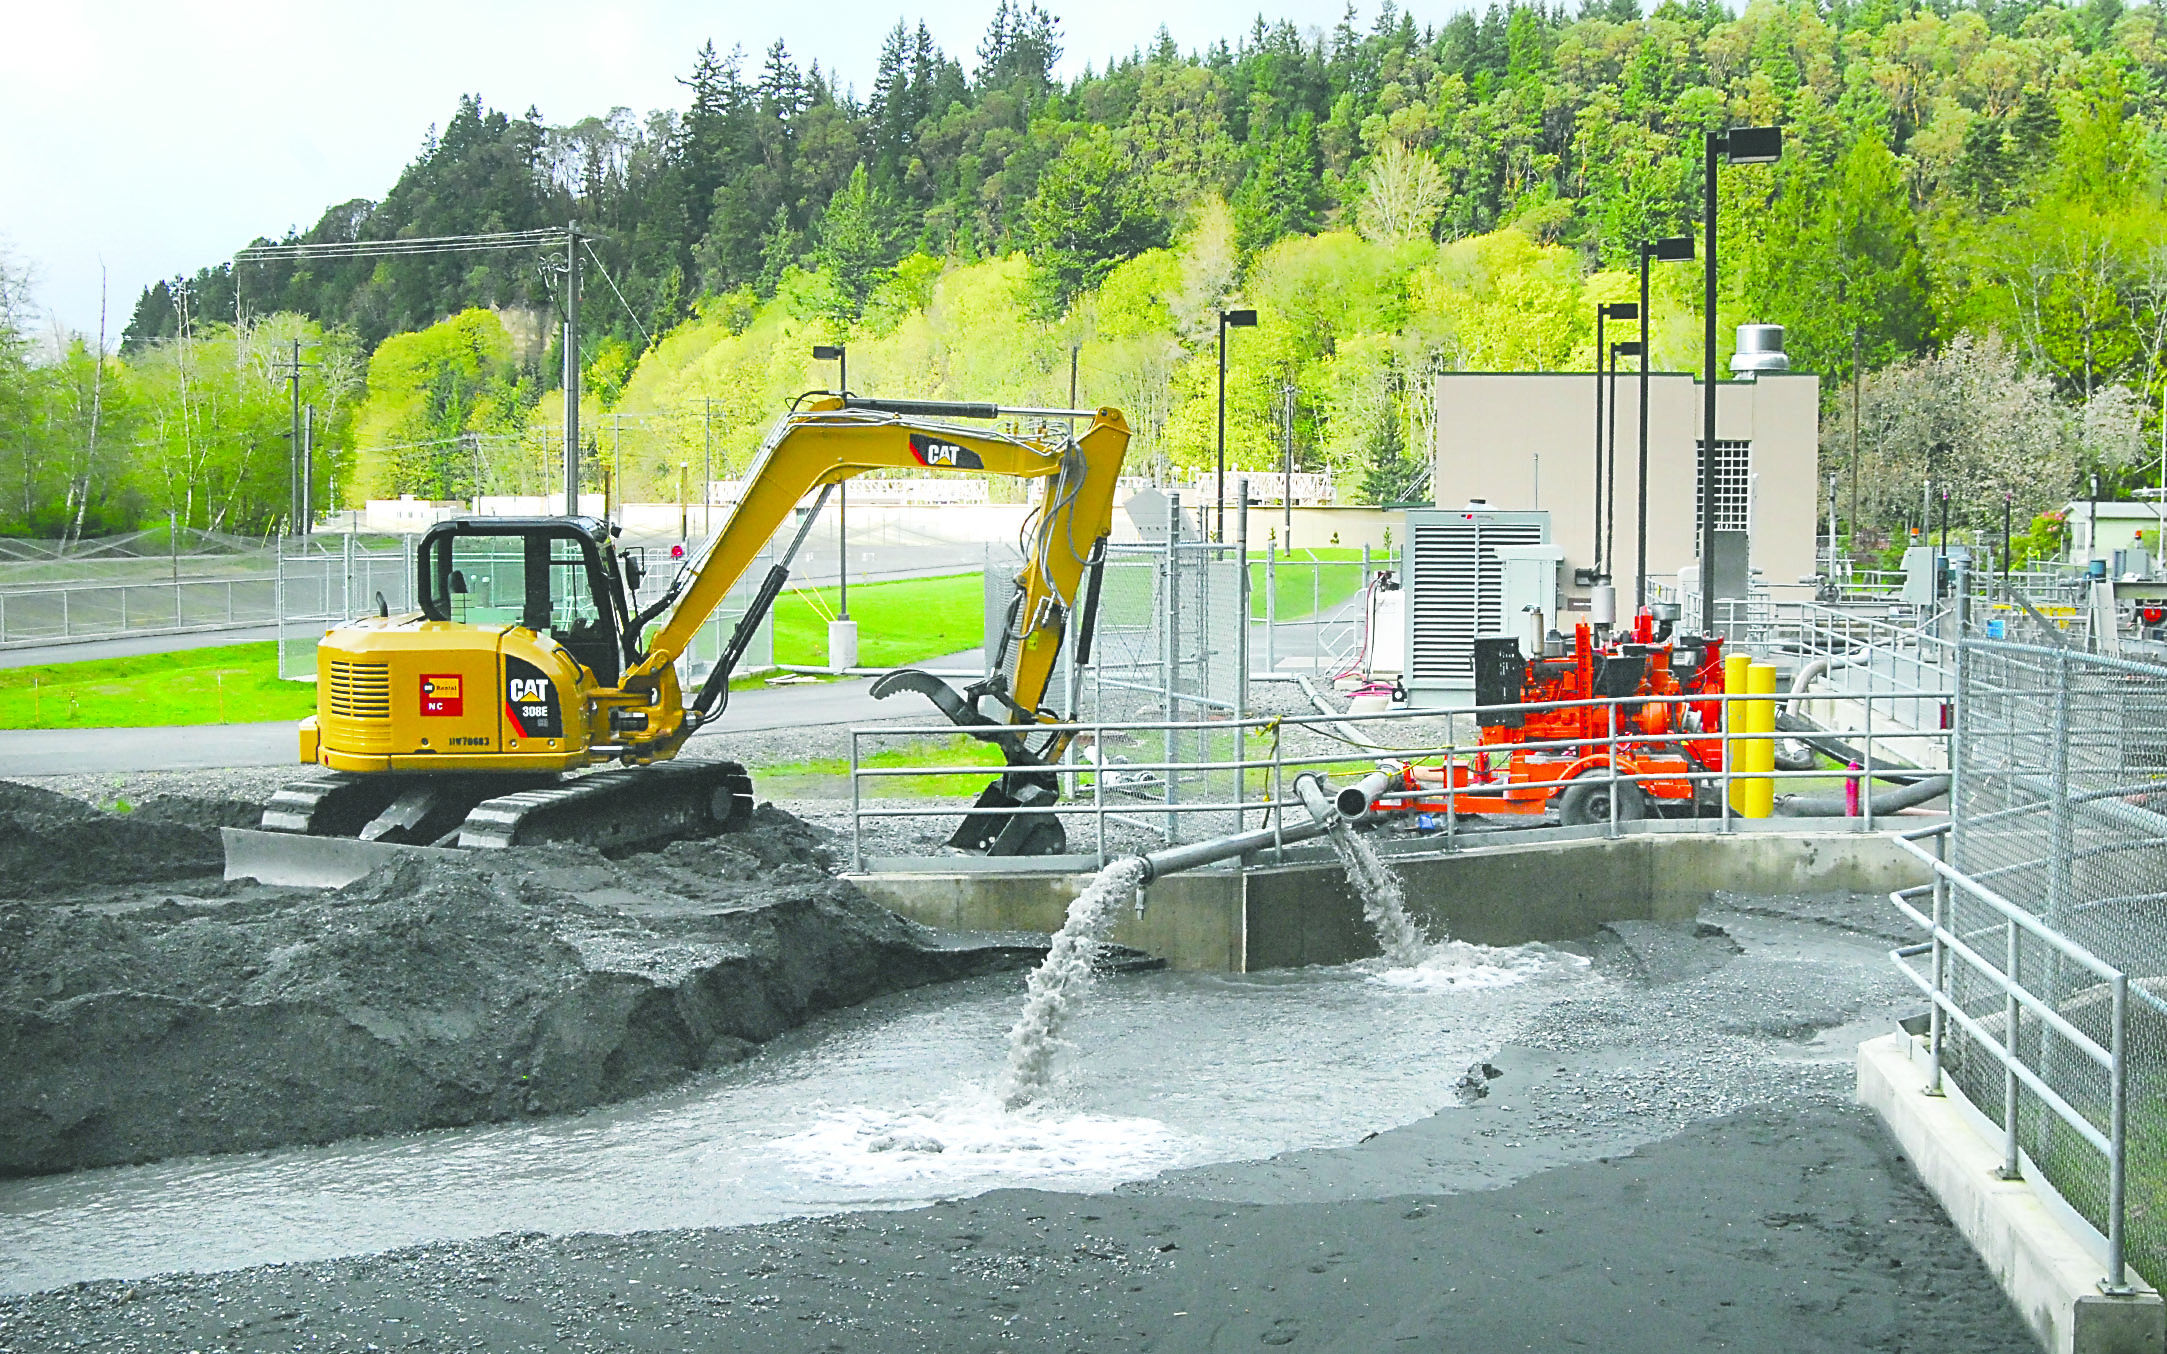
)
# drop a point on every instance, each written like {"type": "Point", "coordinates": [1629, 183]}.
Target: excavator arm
{"type": "Point", "coordinates": [833, 438]}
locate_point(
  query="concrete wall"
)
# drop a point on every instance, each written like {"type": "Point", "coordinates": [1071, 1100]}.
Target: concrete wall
{"type": "Point", "coordinates": [1304, 913]}
{"type": "Point", "coordinates": [1526, 440]}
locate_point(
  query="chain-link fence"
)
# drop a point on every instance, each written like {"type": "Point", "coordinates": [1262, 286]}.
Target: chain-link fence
{"type": "Point", "coordinates": [1169, 645]}
{"type": "Point", "coordinates": [2061, 810]}
{"type": "Point", "coordinates": [323, 580]}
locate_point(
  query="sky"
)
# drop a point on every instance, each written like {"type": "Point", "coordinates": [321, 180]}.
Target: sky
{"type": "Point", "coordinates": [153, 137]}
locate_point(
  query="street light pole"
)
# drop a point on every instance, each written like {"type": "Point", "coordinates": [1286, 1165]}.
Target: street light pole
{"type": "Point", "coordinates": [1610, 507]}
{"type": "Point", "coordinates": [1668, 249]}
{"type": "Point", "coordinates": [1602, 311]}
{"type": "Point", "coordinates": [1239, 319]}
{"type": "Point", "coordinates": [1708, 392]}
{"type": "Point", "coordinates": [1739, 145]}
{"type": "Point", "coordinates": [1608, 310]}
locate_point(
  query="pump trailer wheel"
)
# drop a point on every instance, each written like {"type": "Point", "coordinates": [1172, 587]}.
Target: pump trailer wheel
{"type": "Point", "coordinates": [1587, 800]}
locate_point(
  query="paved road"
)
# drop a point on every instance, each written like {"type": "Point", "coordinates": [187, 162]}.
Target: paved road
{"type": "Point", "coordinates": [50, 752]}
{"type": "Point", "coordinates": [131, 646]}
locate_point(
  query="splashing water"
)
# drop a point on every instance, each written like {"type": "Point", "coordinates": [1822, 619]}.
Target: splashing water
{"type": "Point", "coordinates": [1384, 902]}
{"type": "Point", "coordinates": [1057, 986]}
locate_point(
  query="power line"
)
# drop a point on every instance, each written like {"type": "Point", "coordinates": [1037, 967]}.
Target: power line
{"type": "Point", "coordinates": [397, 248]}
{"type": "Point", "coordinates": [618, 294]}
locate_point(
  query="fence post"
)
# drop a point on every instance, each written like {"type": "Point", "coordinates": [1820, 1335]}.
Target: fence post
{"type": "Point", "coordinates": [2117, 1135]}
{"type": "Point", "coordinates": [1170, 615]}
{"type": "Point", "coordinates": [1452, 792]}
{"type": "Point", "coordinates": [857, 817]}
{"type": "Point", "coordinates": [1866, 754]}
{"type": "Point", "coordinates": [1241, 653]}
{"type": "Point", "coordinates": [1271, 606]}
{"type": "Point", "coordinates": [1936, 1017]}
{"type": "Point", "coordinates": [2009, 1033]}
{"type": "Point", "coordinates": [64, 632]}
{"type": "Point", "coordinates": [1098, 788]}
{"type": "Point", "coordinates": [1610, 756]}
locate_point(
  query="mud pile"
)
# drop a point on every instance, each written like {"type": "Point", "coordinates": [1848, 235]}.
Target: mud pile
{"type": "Point", "coordinates": [50, 843]}
{"type": "Point", "coordinates": [231, 1017]}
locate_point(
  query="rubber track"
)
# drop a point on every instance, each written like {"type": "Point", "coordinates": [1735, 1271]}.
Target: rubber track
{"type": "Point", "coordinates": [622, 807]}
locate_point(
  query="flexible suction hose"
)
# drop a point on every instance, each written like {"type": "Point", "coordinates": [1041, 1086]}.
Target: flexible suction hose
{"type": "Point", "coordinates": [1834, 806]}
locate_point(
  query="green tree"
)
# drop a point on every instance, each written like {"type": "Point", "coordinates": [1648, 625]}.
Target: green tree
{"type": "Point", "coordinates": [858, 235]}
{"type": "Point", "coordinates": [1088, 215]}
{"type": "Point", "coordinates": [1841, 264]}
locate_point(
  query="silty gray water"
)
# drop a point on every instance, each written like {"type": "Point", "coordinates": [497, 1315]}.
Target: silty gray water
{"type": "Point", "coordinates": [1384, 902]}
{"type": "Point", "coordinates": [1058, 984]}
{"type": "Point", "coordinates": [892, 1104]}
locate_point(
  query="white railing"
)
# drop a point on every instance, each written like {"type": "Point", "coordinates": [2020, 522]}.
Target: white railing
{"type": "Point", "coordinates": [36, 616]}
{"type": "Point", "coordinates": [1147, 794]}
{"type": "Point", "coordinates": [2015, 923]}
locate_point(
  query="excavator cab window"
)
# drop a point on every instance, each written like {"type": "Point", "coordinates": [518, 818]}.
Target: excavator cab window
{"type": "Point", "coordinates": [545, 576]}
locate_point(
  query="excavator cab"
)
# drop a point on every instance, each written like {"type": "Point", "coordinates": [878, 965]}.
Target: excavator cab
{"type": "Point", "coordinates": [556, 576]}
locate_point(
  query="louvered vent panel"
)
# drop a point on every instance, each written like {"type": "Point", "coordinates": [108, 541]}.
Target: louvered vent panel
{"type": "Point", "coordinates": [361, 690]}
{"type": "Point", "coordinates": [1456, 587]}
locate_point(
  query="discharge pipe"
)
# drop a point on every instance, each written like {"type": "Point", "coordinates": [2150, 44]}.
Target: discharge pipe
{"type": "Point", "coordinates": [1353, 801]}
{"type": "Point", "coordinates": [1324, 815]}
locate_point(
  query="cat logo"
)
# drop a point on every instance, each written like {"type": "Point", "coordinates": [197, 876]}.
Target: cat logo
{"type": "Point", "coordinates": [441, 696]}
{"type": "Point", "coordinates": [530, 701]}
{"type": "Point", "coordinates": [931, 451]}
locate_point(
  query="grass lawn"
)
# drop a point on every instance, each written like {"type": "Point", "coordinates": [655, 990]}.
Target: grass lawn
{"type": "Point", "coordinates": [232, 684]}
{"type": "Point", "coordinates": [829, 777]}
{"type": "Point", "coordinates": [907, 621]}
{"type": "Point", "coordinates": [903, 622]}
{"type": "Point", "coordinates": [1309, 581]}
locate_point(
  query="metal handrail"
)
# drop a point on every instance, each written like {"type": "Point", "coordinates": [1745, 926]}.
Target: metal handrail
{"type": "Point", "coordinates": [1619, 733]}
{"type": "Point", "coordinates": [1943, 943]}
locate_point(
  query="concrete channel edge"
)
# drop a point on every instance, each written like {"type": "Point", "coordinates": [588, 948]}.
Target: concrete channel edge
{"type": "Point", "coordinates": [2050, 1275]}
{"type": "Point", "coordinates": [1302, 912]}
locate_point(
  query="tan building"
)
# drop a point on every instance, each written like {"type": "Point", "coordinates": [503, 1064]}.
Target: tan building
{"type": "Point", "coordinates": [1525, 441]}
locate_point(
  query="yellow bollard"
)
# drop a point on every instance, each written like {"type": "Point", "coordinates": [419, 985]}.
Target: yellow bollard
{"type": "Point", "coordinates": [1760, 796]}
{"type": "Point", "coordinates": [1736, 722]}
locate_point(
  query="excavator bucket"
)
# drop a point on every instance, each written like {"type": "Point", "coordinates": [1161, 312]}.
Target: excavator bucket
{"type": "Point", "coordinates": [1022, 834]}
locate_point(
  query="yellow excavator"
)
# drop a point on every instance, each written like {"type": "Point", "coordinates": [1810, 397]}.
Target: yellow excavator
{"type": "Point", "coordinates": [531, 656]}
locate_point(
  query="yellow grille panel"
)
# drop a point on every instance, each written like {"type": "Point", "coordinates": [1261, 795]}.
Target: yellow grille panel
{"type": "Point", "coordinates": [361, 690]}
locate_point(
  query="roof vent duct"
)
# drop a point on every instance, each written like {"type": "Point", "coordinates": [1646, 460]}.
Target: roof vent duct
{"type": "Point", "coordinates": [1760, 349]}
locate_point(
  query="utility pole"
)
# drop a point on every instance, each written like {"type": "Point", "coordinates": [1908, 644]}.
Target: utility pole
{"type": "Point", "coordinates": [707, 464]}
{"type": "Point", "coordinates": [308, 469]}
{"type": "Point", "coordinates": [1858, 344]}
{"type": "Point", "coordinates": [296, 507]}
{"type": "Point", "coordinates": [571, 370]}
{"type": "Point", "coordinates": [1286, 492]}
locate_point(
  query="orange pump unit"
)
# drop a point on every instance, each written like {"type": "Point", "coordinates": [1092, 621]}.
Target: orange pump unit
{"type": "Point", "coordinates": [1559, 751]}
